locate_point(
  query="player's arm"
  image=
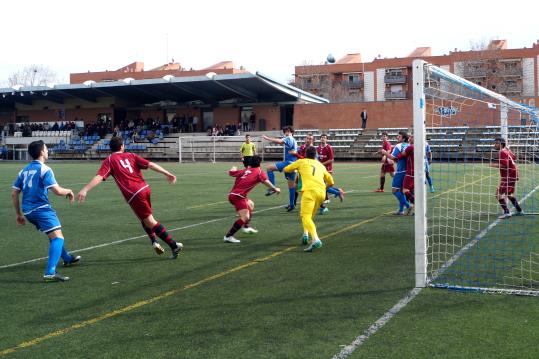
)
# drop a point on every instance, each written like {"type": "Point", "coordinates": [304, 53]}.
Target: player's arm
{"type": "Point", "coordinates": [233, 172]}
{"type": "Point", "coordinates": [268, 184]}
{"type": "Point", "coordinates": [291, 167]}
{"type": "Point", "coordinates": [241, 152]}
{"type": "Point", "coordinates": [328, 179]}
{"type": "Point", "coordinates": [61, 191]}
{"type": "Point", "coordinates": [254, 149]}
{"type": "Point", "coordinates": [15, 199]}
{"type": "Point", "coordinates": [155, 167]}
{"type": "Point", "coordinates": [331, 158]}
{"type": "Point", "coordinates": [81, 196]}
{"type": "Point", "coordinates": [280, 141]}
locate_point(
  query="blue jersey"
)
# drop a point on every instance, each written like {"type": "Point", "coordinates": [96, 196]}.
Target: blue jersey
{"type": "Point", "coordinates": [290, 144]}
{"type": "Point", "coordinates": [401, 164]}
{"type": "Point", "coordinates": [427, 156]}
{"type": "Point", "coordinates": [34, 182]}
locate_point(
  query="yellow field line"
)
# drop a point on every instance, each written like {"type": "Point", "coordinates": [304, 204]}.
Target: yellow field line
{"type": "Point", "coordinates": [85, 323]}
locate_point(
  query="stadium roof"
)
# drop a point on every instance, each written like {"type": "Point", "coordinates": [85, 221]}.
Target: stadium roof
{"type": "Point", "coordinates": [210, 89]}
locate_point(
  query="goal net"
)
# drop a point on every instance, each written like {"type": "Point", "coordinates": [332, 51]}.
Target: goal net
{"type": "Point", "coordinates": [462, 241]}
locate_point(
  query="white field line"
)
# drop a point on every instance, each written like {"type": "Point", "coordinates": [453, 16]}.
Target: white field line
{"type": "Point", "coordinates": [132, 238]}
{"type": "Point", "coordinates": [349, 349]}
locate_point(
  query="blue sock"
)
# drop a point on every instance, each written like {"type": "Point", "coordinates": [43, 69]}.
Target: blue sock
{"type": "Point", "coordinates": [429, 180]}
{"type": "Point", "coordinates": [403, 202]}
{"type": "Point", "coordinates": [396, 194]}
{"type": "Point", "coordinates": [55, 251]}
{"type": "Point", "coordinates": [333, 190]}
{"type": "Point", "coordinates": [66, 256]}
{"type": "Point", "coordinates": [291, 196]}
{"type": "Point", "coordinates": [271, 177]}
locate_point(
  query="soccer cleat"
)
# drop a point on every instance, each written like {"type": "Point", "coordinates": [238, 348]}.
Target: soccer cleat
{"type": "Point", "coordinates": [249, 230]}
{"type": "Point", "coordinates": [519, 213]}
{"type": "Point", "coordinates": [323, 210]}
{"type": "Point", "coordinates": [290, 208]}
{"type": "Point", "coordinates": [305, 239]}
{"type": "Point", "coordinates": [230, 240]}
{"type": "Point", "coordinates": [504, 216]}
{"type": "Point", "coordinates": [432, 190]}
{"type": "Point", "coordinates": [72, 261]}
{"type": "Point", "coordinates": [157, 248]}
{"type": "Point", "coordinates": [314, 245]}
{"type": "Point", "coordinates": [341, 194]}
{"type": "Point", "coordinates": [269, 192]}
{"type": "Point", "coordinates": [398, 213]}
{"type": "Point", "coordinates": [176, 251]}
{"type": "Point", "coordinates": [379, 190]}
{"type": "Point", "coordinates": [410, 210]}
{"type": "Point", "coordinates": [327, 201]}
{"type": "Point", "coordinates": [54, 278]}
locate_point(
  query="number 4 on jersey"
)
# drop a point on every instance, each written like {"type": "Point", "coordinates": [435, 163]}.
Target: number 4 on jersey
{"type": "Point", "coordinates": [127, 165]}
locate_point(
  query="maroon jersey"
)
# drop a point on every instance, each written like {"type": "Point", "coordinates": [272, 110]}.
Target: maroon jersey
{"type": "Point", "coordinates": [246, 180]}
{"type": "Point", "coordinates": [302, 151]}
{"type": "Point", "coordinates": [386, 145]}
{"type": "Point", "coordinates": [125, 168]}
{"type": "Point", "coordinates": [324, 154]}
{"type": "Point", "coordinates": [409, 154]}
{"type": "Point", "coordinates": [508, 168]}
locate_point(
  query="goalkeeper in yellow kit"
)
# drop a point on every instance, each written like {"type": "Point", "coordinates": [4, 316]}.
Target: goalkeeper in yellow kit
{"type": "Point", "coordinates": [313, 181]}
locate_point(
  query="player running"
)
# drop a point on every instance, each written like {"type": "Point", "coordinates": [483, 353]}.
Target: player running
{"type": "Point", "coordinates": [246, 180]}
{"type": "Point", "coordinates": [34, 182]}
{"type": "Point", "coordinates": [126, 168]}
{"type": "Point", "coordinates": [314, 178]}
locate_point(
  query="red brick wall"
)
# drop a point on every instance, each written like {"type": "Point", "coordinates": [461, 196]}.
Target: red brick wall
{"type": "Point", "coordinates": [223, 116]}
{"type": "Point", "coordinates": [272, 115]}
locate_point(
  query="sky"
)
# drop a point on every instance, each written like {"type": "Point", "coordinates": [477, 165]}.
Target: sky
{"type": "Point", "coordinates": [267, 36]}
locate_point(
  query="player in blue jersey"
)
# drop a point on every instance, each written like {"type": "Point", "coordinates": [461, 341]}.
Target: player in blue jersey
{"type": "Point", "coordinates": [400, 173]}
{"type": "Point", "coordinates": [34, 182]}
{"type": "Point", "coordinates": [428, 160]}
{"type": "Point", "coordinates": [290, 151]}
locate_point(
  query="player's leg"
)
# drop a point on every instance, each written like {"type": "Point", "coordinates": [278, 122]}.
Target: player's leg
{"type": "Point", "coordinates": [396, 189]}
{"type": "Point", "coordinates": [247, 226]}
{"type": "Point", "coordinates": [511, 197]}
{"type": "Point", "coordinates": [382, 179]}
{"type": "Point", "coordinates": [242, 208]}
{"type": "Point", "coordinates": [310, 202]}
{"type": "Point", "coordinates": [501, 193]}
{"type": "Point", "coordinates": [271, 176]}
{"type": "Point", "coordinates": [46, 221]}
{"type": "Point", "coordinates": [291, 178]}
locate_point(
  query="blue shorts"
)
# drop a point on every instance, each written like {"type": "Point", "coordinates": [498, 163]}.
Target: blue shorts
{"type": "Point", "coordinates": [45, 219]}
{"type": "Point", "coordinates": [427, 167]}
{"type": "Point", "coordinates": [281, 165]}
{"type": "Point", "coordinates": [398, 180]}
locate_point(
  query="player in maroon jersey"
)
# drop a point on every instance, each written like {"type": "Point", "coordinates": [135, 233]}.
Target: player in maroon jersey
{"type": "Point", "coordinates": [387, 163]}
{"type": "Point", "coordinates": [246, 180]}
{"type": "Point", "coordinates": [325, 153]}
{"type": "Point", "coordinates": [408, 182]}
{"type": "Point", "coordinates": [508, 178]}
{"type": "Point", "coordinates": [126, 169]}
{"type": "Point", "coordinates": [309, 141]}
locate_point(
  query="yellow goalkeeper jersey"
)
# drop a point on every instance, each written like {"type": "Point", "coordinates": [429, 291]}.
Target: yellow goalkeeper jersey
{"type": "Point", "coordinates": [313, 175]}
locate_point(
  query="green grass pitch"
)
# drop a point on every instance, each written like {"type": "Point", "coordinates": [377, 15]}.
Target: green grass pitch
{"type": "Point", "coordinates": [263, 298]}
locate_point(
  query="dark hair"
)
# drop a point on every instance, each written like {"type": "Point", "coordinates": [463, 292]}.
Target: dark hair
{"type": "Point", "coordinates": [501, 140]}
{"type": "Point", "coordinates": [404, 135]}
{"type": "Point", "coordinates": [384, 133]}
{"type": "Point", "coordinates": [288, 128]}
{"type": "Point", "coordinates": [324, 135]}
{"type": "Point", "coordinates": [310, 152]}
{"type": "Point", "coordinates": [116, 144]}
{"type": "Point", "coordinates": [35, 148]}
{"type": "Point", "coordinates": [255, 161]}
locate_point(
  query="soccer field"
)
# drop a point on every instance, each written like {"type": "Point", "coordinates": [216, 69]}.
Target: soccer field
{"type": "Point", "coordinates": [262, 298]}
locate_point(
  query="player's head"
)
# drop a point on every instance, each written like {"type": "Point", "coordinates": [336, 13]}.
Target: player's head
{"type": "Point", "coordinates": [116, 144]}
{"type": "Point", "coordinates": [499, 143]}
{"type": "Point", "coordinates": [288, 130]}
{"type": "Point", "coordinates": [384, 135]}
{"type": "Point", "coordinates": [254, 161]}
{"type": "Point", "coordinates": [310, 152]}
{"type": "Point", "coordinates": [309, 139]}
{"type": "Point", "coordinates": [247, 138]}
{"type": "Point", "coordinates": [38, 148]}
{"type": "Point", "coordinates": [323, 138]}
{"type": "Point", "coordinates": [402, 136]}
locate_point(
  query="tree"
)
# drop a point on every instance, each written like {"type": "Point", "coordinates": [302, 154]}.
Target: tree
{"type": "Point", "coordinates": [33, 75]}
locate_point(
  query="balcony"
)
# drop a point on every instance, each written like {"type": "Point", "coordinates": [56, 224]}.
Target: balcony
{"type": "Point", "coordinates": [509, 72]}
{"type": "Point", "coordinates": [395, 95]}
{"type": "Point", "coordinates": [474, 72]}
{"type": "Point", "coordinates": [357, 84]}
{"type": "Point", "coordinates": [506, 89]}
{"type": "Point", "coordinates": [395, 79]}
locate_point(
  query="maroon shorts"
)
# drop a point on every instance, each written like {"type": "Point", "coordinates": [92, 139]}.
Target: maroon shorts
{"type": "Point", "coordinates": [141, 204]}
{"type": "Point", "coordinates": [387, 168]}
{"type": "Point", "coordinates": [408, 183]}
{"type": "Point", "coordinates": [238, 202]}
{"type": "Point", "coordinates": [506, 187]}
